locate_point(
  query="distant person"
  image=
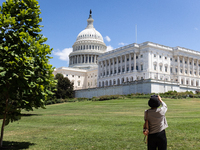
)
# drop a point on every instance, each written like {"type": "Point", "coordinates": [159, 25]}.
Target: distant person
{"type": "Point", "coordinates": [157, 124]}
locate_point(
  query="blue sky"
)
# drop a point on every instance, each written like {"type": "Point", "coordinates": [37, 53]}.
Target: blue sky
{"type": "Point", "coordinates": [167, 22]}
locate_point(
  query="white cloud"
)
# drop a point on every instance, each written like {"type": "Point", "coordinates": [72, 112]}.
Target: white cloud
{"type": "Point", "coordinates": [109, 48]}
{"type": "Point", "coordinates": [63, 54]}
{"type": "Point", "coordinates": [107, 38]}
{"type": "Point", "coordinates": [196, 28]}
{"type": "Point", "coordinates": [122, 44]}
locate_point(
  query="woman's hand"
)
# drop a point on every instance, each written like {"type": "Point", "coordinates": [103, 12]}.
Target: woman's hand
{"type": "Point", "coordinates": [159, 98]}
{"type": "Point", "coordinates": [146, 132]}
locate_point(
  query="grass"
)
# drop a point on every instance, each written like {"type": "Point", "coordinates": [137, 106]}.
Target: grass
{"type": "Point", "coordinates": [102, 125]}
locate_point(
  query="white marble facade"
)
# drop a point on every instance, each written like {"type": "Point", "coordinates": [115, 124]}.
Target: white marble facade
{"type": "Point", "coordinates": [149, 61]}
{"type": "Point", "coordinates": [90, 66]}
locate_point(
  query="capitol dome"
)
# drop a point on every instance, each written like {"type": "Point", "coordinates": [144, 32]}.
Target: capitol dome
{"type": "Point", "coordinates": [88, 46]}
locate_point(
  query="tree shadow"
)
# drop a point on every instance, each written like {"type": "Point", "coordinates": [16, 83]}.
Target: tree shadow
{"type": "Point", "coordinates": [28, 115]}
{"type": "Point", "coordinates": [10, 145]}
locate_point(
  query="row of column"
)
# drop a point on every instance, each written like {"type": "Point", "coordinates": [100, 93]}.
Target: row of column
{"type": "Point", "coordinates": [188, 65]}
{"type": "Point", "coordinates": [175, 64]}
{"type": "Point", "coordinates": [88, 47]}
{"type": "Point", "coordinates": [105, 67]}
{"type": "Point", "coordinates": [189, 81]}
{"type": "Point", "coordinates": [83, 59]}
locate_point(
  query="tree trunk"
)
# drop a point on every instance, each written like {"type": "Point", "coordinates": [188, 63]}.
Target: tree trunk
{"type": "Point", "coordinates": [3, 125]}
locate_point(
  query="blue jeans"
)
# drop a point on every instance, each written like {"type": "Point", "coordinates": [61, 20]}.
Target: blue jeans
{"type": "Point", "coordinates": [157, 140]}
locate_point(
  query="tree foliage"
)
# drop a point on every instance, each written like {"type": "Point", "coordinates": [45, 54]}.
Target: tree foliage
{"type": "Point", "coordinates": [64, 87]}
{"type": "Point", "coordinates": [25, 73]}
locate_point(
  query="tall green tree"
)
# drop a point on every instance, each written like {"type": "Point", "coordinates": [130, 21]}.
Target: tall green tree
{"type": "Point", "coordinates": [64, 87]}
{"type": "Point", "coordinates": [25, 73]}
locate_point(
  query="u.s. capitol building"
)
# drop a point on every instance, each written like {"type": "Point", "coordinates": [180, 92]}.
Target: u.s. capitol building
{"type": "Point", "coordinates": [136, 68]}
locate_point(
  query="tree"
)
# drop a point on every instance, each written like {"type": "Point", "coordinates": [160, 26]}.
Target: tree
{"type": "Point", "coordinates": [64, 87]}
{"type": "Point", "coordinates": [25, 75]}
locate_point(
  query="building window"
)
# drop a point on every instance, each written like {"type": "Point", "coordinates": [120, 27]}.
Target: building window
{"type": "Point", "coordinates": [79, 83]}
{"type": "Point", "coordinates": [127, 69]}
{"type": "Point", "coordinates": [136, 57]}
{"type": "Point", "coordinates": [136, 67]}
{"type": "Point", "coordinates": [119, 71]}
{"type": "Point", "coordinates": [190, 72]}
{"type": "Point", "coordinates": [141, 56]}
{"type": "Point", "coordinates": [186, 71]}
{"type": "Point", "coordinates": [185, 62]}
{"type": "Point", "coordinates": [190, 63]}
{"type": "Point", "coordinates": [171, 59]}
{"type": "Point", "coordinates": [154, 55]}
{"type": "Point", "coordinates": [132, 68]}
{"type": "Point", "coordinates": [154, 66]}
{"type": "Point", "coordinates": [176, 70]}
{"type": "Point", "coordinates": [78, 76]}
{"type": "Point", "coordinates": [175, 60]}
{"type": "Point", "coordinates": [72, 75]}
{"type": "Point", "coordinates": [141, 67]}
{"type": "Point", "coordinates": [195, 64]}
{"type": "Point", "coordinates": [180, 61]}
{"type": "Point", "coordinates": [171, 70]}
{"type": "Point", "coordinates": [122, 69]}
{"type": "Point", "coordinates": [165, 68]}
{"type": "Point", "coordinates": [123, 60]}
{"type": "Point", "coordinates": [160, 68]}
{"type": "Point", "coordinates": [165, 57]}
{"type": "Point", "coordinates": [181, 70]}
{"type": "Point", "coordinates": [127, 59]}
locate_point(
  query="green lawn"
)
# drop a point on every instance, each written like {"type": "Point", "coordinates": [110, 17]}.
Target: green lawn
{"type": "Point", "coordinates": [103, 125]}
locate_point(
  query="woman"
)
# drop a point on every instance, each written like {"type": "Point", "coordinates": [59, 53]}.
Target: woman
{"type": "Point", "coordinates": [157, 124]}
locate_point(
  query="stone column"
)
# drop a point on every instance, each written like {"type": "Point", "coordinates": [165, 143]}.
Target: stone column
{"type": "Point", "coordinates": [113, 69]}
{"type": "Point", "coordinates": [117, 69]}
{"type": "Point", "coordinates": [99, 66]}
{"type": "Point", "coordinates": [183, 65]}
{"type": "Point", "coordinates": [106, 67]}
{"type": "Point", "coordinates": [125, 59]}
{"type": "Point", "coordinates": [188, 66]}
{"type": "Point", "coordinates": [103, 68]}
{"type": "Point", "coordinates": [130, 62]}
{"type": "Point", "coordinates": [189, 81]}
{"type": "Point", "coordinates": [194, 82]}
{"type": "Point", "coordinates": [197, 67]}
{"type": "Point", "coordinates": [178, 64]}
{"type": "Point", "coordinates": [84, 59]}
{"type": "Point", "coordinates": [134, 61]}
{"type": "Point", "coordinates": [109, 67]}
{"type": "Point", "coordinates": [192, 66]}
{"type": "Point", "coordinates": [184, 82]}
{"type": "Point", "coordinates": [121, 64]}
{"type": "Point", "coordinates": [150, 60]}
{"type": "Point", "coordinates": [95, 59]}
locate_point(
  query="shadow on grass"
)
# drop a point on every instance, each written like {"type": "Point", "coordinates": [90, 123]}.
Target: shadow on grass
{"type": "Point", "coordinates": [29, 115]}
{"type": "Point", "coordinates": [10, 145]}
